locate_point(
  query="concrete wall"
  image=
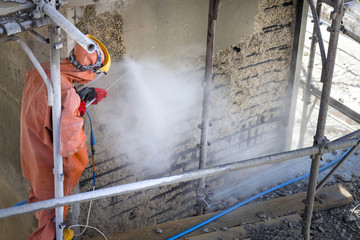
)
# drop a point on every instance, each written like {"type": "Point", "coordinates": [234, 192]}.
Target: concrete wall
{"type": "Point", "coordinates": [251, 70]}
{"type": "Point", "coordinates": [14, 186]}
{"type": "Point", "coordinates": [251, 74]}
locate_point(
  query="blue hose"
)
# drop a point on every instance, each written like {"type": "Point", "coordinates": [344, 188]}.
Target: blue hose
{"type": "Point", "coordinates": [20, 203]}
{"type": "Point", "coordinates": [92, 131]}
{"type": "Point", "coordinates": [92, 146]}
{"type": "Point", "coordinates": [255, 197]}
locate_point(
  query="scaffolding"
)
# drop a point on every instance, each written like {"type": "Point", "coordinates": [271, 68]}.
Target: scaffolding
{"type": "Point", "coordinates": [47, 10]}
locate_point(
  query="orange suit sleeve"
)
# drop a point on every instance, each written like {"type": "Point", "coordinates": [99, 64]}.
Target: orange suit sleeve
{"type": "Point", "coordinates": [72, 135]}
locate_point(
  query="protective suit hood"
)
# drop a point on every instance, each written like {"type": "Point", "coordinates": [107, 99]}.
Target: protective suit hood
{"type": "Point", "coordinates": [72, 74]}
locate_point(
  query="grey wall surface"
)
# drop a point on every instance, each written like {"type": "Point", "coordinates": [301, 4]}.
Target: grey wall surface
{"type": "Point", "coordinates": [14, 67]}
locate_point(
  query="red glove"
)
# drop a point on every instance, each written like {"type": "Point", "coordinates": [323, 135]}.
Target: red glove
{"type": "Point", "coordinates": [99, 94]}
{"type": "Point", "coordinates": [82, 108]}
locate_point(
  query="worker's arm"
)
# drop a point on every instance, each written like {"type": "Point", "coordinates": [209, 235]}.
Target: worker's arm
{"type": "Point", "coordinates": [72, 135]}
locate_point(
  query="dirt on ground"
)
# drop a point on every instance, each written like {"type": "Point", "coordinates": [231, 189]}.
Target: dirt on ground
{"type": "Point", "coordinates": [341, 223]}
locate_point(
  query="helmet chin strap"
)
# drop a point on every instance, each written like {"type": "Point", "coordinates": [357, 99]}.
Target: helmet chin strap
{"type": "Point", "coordinates": [93, 68]}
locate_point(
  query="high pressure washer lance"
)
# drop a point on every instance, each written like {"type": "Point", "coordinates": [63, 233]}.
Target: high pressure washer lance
{"type": "Point", "coordinates": [108, 87]}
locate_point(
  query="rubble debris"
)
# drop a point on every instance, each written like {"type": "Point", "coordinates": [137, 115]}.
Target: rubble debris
{"type": "Point", "coordinates": [158, 230]}
{"type": "Point", "coordinates": [225, 228]}
{"type": "Point", "coordinates": [349, 218]}
{"type": "Point", "coordinates": [261, 215]}
{"type": "Point", "coordinates": [205, 230]}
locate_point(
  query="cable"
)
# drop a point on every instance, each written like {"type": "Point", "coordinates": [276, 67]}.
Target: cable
{"type": "Point", "coordinates": [92, 143]}
{"type": "Point", "coordinates": [352, 211]}
{"type": "Point", "coordinates": [256, 196]}
{"type": "Point", "coordinates": [80, 225]}
{"type": "Point", "coordinates": [87, 223]}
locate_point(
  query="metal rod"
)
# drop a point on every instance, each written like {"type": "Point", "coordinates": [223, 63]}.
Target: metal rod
{"type": "Point", "coordinates": [306, 90]}
{"type": "Point", "coordinates": [326, 79]}
{"type": "Point", "coordinates": [107, 88]}
{"type": "Point", "coordinates": [187, 176]}
{"type": "Point", "coordinates": [39, 37]}
{"type": "Point", "coordinates": [318, 31]}
{"type": "Point", "coordinates": [69, 28]}
{"type": "Point", "coordinates": [336, 104]}
{"type": "Point", "coordinates": [350, 34]}
{"type": "Point", "coordinates": [55, 38]}
{"type": "Point", "coordinates": [338, 165]}
{"type": "Point", "coordinates": [213, 14]}
{"type": "Point", "coordinates": [38, 67]}
{"type": "Point", "coordinates": [311, 110]}
{"type": "Point", "coordinates": [98, 76]}
{"type": "Point", "coordinates": [116, 81]}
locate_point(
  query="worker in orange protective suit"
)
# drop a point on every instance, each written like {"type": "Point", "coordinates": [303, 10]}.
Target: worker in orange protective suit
{"type": "Point", "coordinates": [36, 138]}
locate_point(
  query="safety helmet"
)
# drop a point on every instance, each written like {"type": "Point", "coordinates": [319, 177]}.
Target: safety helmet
{"type": "Point", "coordinates": [100, 65]}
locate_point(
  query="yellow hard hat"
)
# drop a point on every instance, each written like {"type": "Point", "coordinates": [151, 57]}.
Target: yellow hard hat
{"type": "Point", "coordinates": [107, 62]}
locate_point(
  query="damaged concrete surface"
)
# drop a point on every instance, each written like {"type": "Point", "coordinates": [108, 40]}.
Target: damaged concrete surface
{"type": "Point", "coordinates": [247, 111]}
{"type": "Point", "coordinates": [247, 108]}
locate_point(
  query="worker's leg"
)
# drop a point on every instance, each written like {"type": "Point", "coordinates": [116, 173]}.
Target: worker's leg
{"type": "Point", "coordinates": [46, 225]}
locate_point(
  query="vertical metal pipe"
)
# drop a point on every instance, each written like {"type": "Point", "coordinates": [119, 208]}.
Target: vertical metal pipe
{"type": "Point", "coordinates": [306, 90]}
{"type": "Point", "coordinates": [213, 14]}
{"type": "Point", "coordinates": [54, 32]}
{"type": "Point", "coordinates": [326, 78]}
{"type": "Point", "coordinates": [75, 213]}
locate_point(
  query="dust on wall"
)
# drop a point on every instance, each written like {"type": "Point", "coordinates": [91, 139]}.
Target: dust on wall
{"type": "Point", "coordinates": [247, 109]}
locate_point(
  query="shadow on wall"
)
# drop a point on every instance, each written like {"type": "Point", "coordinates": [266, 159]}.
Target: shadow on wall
{"type": "Point", "coordinates": [17, 227]}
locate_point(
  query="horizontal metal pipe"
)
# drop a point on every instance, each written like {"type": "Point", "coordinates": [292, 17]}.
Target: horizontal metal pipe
{"type": "Point", "coordinates": [69, 28]}
{"type": "Point", "coordinates": [28, 25]}
{"type": "Point", "coordinates": [187, 176]}
{"type": "Point", "coordinates": [335, 103]}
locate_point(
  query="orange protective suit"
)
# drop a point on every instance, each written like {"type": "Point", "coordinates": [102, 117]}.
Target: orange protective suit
{"type": "Point", "coordinates": [36, 143]}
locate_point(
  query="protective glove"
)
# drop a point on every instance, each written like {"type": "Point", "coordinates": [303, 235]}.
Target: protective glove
{"type": "Point", "coordinates": [86, 94]}
{"type": "Point", "coordinates": [82, 108]}
{"type": "Point", "coordinates": [99, 94]}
